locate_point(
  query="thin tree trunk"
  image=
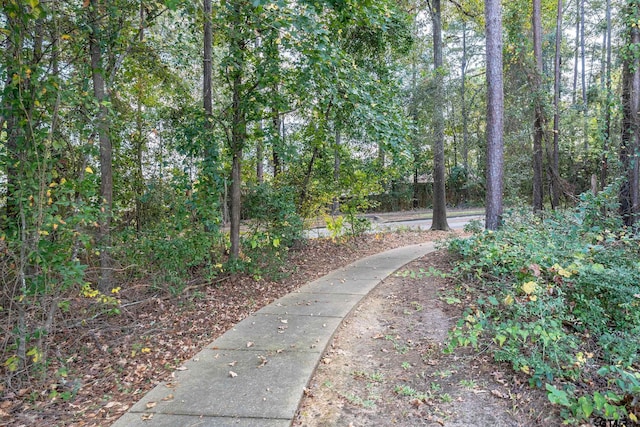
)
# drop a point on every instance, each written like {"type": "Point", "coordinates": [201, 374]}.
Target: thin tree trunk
{"type": "Point", "coordinates": [439, 221]}
{"type": "Point", "coordinates": [539, 122]}
{"type": "Point", "coordinates": [495, 111]}
{"type": "Point", "coordinates": [585, 112]}
{"type": "Point", "coordinates": [237, 144]}
{"type": "Point", "coordinates": [277, 161]}
{"type": "Point", "coordinates": [139, 184]}
{"type": "Point", "coordinates": [260, 155]}
{"type": "Point", "coordinates": [555, 153]}
{"type": "Point", "coordinates": [206, 63]}
{"type": "Point", "coordinates": [335, 206]}
{"type": "Point", "coordinates": [307, 177]}
{"type": "Point", "coordinates": [576, 53]}
{"type": "Point", "coordinates": [106, 174]}
{"type": "Point", "coordinates": [608, 102]}
{"type": "Point", "coordinates": [463, 93]}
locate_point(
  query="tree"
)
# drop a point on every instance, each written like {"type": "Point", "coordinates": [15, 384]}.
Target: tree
{"type": "Point", "coordinates": [630, 141]}
{"type": "Point", "coordinates": [539, 122]}
{"type": "Point", "coordinates": [495, 107]}
{"type": "Point", "coordinates": [554, 155]}
{"type": "Point", "coordinates": [439, 195]}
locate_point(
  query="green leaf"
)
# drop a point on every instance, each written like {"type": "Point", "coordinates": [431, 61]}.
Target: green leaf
{"type": "Point", "coordinates": [171, 4]}
{"type": "Point", "coordinates": [586, 405]}
{"type": "Point", "coordinates": [599, 400]}
{"type": "Point", "coordinates": [556, 396]}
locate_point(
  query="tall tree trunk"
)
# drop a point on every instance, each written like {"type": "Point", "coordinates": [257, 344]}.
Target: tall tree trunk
{"type": "Point", "coordinates": [439, 221]}
{"type": "Point", "coordinates": [495, 111]}
{"type": "Point", "coordinates": [207, 62]}
{"type": "Point", "coordinates": [576, 53]}
{"type": "Point", "coordinates": [608, 102]}
{"type": "Point", "coordinates": [277, 143]}
{"type": "Point", "coordinates": [539, 122]}
{"type": "Point", "coordinates": [307, 177]}
{"type": "Point", "coordinates": [335, 206]}
{"type": "Point", "coordinates": [630, 142]}
{"type": "Point", "coordinates": [260, 155]}
{"type": "Point", "coordinates": [140, 139]}
{"type": "Point", "coordinates": [463, 94]}
{"type": "Point", "coordinates": [238, 132]}
{"type": "Point", "coordinates": [554, 160]}
{"type": "Point", "coordinates": [106, 175]}
{"type": "Point", "coordinates": [585, 112]}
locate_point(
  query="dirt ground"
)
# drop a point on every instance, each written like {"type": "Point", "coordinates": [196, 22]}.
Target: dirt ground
{"type": "Point", "coordinates": [386, 365]}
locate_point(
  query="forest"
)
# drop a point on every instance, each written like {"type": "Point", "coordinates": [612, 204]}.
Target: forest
{"type": "Point", "coordinates": [160, 140]}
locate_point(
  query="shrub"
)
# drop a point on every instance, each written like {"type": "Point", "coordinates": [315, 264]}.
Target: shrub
{"type": "Point", "coordinates": [559, 297]}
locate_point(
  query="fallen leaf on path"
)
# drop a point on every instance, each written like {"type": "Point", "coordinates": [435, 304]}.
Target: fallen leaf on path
{"type": "Point", "coordinates": [146, 417]}
{"type": "Point", "coordinates": [234, 363]}
{"type": "Point", "coordinates": [499, 394]}
{"type": "Point", "coordinates": [249, 344]}
{"type": "Point", "coordinates": [151, 405]}
{"type": "Point", "coordinates": [263, 361]}
{"type": "Point", "coordinates": [232, 374]}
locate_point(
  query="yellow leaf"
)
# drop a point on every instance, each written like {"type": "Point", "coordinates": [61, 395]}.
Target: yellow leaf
{"type": "Point", "coordinates": [43, 232]}
{"type": "Point", "coordinates": [564, 273]}
{"type": "Point", "coordinates": [145, 350]}
{"type": "Point", "coordinates": [65, 37]}
{"type": "Point", "coordinates": [633, 417]}
{"type": "Point", "coordinates": [529, 287]}
{"type": "Point", "coordinates": [525, 369]}
{"type": "Point", "coordinates": [88, 169]}
{"type": "Point", "coordinates": [508, 300]}
{"type": "Point", "coordinates": [53, 184]}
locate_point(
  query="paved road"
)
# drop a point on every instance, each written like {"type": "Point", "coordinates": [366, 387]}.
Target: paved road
{"type": "Point", "coordinates": [415, 224]}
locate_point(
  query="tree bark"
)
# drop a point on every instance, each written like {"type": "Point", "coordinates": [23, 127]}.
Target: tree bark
{"type": "Point", "coordinates": [207, 69]}
{"type": "Point", "coordinates": [555, 153]}
{"type": "Point", "coordinates": [439, 221]}
{"type": "Point", "coordinates": [237, 46]}
{"type": "Point", "coordinates": [608, 102]}
{"type": "Point", "coordinates": [495, 111]}
{"type": "Point", "coordinates": [106, 175]}
{"type": "Point", "coordinates": [630, 142]}
{"type": "Point", "coordinates": [277, 143]}
{"type": "Point", "coordinates": [335, 206]}
{"type": "Point", "coordinates": [539, 122]}
{"type": "Point", "coordinates": [463, 93]}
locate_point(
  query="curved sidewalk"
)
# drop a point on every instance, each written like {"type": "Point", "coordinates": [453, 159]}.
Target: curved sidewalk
{"type": "Point", "coordinates": [255, 373]}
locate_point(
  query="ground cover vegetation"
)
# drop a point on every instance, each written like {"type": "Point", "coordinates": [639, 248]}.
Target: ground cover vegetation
{"type": "Point", "coordinates": [178, 143]}
{"type": "Point", "coordinates": [557, 299]}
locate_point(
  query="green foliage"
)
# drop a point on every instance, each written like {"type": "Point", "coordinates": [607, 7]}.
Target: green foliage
{"type": "Point", "coordinates": [273, 210]}
{"type": "Point", "coordinates": [559, 297]}
{"type": "Point", "coordinates": [275, 226]}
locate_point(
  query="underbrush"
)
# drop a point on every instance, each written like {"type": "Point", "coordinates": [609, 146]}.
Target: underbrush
{"type": "Point", "coordinates": [559, 299]}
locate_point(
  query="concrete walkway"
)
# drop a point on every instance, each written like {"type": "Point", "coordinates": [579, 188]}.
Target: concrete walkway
{"type": "Point", "coordinates": [255, 374]}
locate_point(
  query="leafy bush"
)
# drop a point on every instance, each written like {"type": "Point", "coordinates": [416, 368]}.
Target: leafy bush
{"type": "Point", "coordinates": [559, 300]}
{"type": "Point", "coordinates": [275, 226]}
